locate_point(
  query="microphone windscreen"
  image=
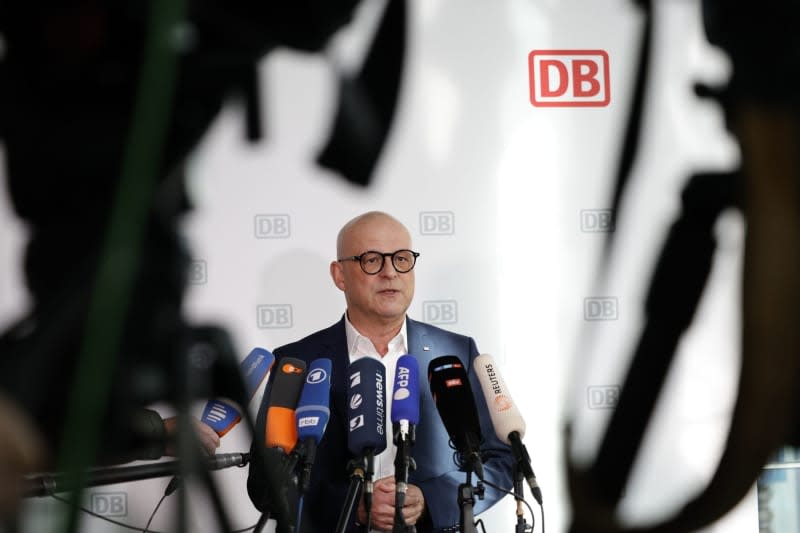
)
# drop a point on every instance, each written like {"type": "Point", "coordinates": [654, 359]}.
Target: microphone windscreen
{"type": "Point", "coordinates": [366, 406]}
{"type": "Point", "coordinates": [405, 395]}
{"type": "Point", "coordinates": [452, 395]}
{"type": "Point", "coordinates": [505, 416]}
{"type": "Point", "coordinates": [255, 368]}
{"type": "Point", "coordinates": [281, 426]}
{"type": "Point", "coordinates": [221, 416]}
{"type": "Point", "coordinates": [313, 409]}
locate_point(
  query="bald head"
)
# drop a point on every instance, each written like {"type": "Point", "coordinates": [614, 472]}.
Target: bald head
{"type": "Point", "coordinates": [360, 225]}
{"type": "Point", "coordinates": [376, 302]}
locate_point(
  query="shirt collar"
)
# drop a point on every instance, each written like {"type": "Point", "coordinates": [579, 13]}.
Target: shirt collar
{"type": "Point", "coordinates": [358, 345]}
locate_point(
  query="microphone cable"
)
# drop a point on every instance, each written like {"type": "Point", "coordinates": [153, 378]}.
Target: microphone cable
{"type": "Point", "coordinates": [520, 499]}
{"type": "Point", "coordinates": [160, 501]}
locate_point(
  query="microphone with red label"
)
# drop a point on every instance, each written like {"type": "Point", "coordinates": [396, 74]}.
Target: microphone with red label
{"type": "Point", "coordinates": [452, 395]}
{"type": "Point", "coordinates": [508, 423]}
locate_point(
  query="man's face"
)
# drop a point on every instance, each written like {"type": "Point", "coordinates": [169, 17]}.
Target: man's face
{"type": "Point", "coordinates": [383, 297]}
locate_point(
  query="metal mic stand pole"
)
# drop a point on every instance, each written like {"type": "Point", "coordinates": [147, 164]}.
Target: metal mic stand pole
{"type": "Point", "coordinates": [466, 500]}
{"type": "Point", "coordinates": [357, 468]}
{"type": "Point", "coordinates": [403, 462]}
{"type": "Point", "coordinates": [522, 526]}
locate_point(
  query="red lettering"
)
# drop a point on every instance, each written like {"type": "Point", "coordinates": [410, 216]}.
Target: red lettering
{"type": "Point", "coordinates": [544, 76]}
{"type": "Point", "coordinates": [584, 71]}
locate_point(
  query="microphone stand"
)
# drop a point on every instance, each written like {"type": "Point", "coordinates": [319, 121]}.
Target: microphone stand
{"type": "Point", "coordinates": [522, 526]}
{"type": "Point", "coordinates": [48, 484]}
{"type": "Point", "coordinates": [466, 501]}
{"type": "Point", "coordinates": [357, 469]}
{"type": "Point", "coordinates": [368, 485]}
{"type": "Point", "coordinates": [403, 462]}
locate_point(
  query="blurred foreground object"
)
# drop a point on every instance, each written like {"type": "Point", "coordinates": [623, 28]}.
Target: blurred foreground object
{"type": "Point", "coordinates": [761, 104]}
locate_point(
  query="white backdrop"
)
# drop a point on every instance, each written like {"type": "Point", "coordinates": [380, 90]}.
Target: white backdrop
{"type": "Point", "coordinates": [500, 197]}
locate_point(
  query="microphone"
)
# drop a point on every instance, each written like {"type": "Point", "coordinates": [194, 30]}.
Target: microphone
{"type": "Point", "coordinates": [222, 415]}
{"type": "Point", "coordinates": [280, 438]}
{"type": "Point", "coordinates": [506, 418]}
{"type": "Point", "coordinates": [452, 395]}
{"type": "Point", "coordinates": [405, 417]}
{"type": "Point", "coordinates": [281, 425]}
{"type": "Point", "coordinates": [255, 368]}
{"type": "Point", "coordinates": [313, 413]}
{"type": "Point", "coordinates": [366, 413]}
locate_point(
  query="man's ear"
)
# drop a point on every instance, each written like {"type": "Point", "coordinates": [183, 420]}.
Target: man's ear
{"type": "Point", "coordinates": [337, 274]}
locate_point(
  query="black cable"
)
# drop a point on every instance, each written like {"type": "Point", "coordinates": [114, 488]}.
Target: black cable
{"type": "Point", "coordinates": [153, 514]}
{"type": "Point", "coordinates": [126, 526]}
{"type": "Point", "coordinates": [518, 498]}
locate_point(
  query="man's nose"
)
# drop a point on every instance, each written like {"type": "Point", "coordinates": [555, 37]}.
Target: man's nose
{"type": "Point", "coordinates": [388, 269]}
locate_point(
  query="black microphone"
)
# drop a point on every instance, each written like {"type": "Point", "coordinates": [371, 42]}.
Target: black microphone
{"type": "Point", "coordinates": [506, 419]}
{"type": "Point", "coordinates": [366, 437]}
{"type": "Point", "coordinates": [280, 437]}
{"type": "Point", "coordinates": [452, 395]}
{"type": "Point", "coordinates": [405, 417]}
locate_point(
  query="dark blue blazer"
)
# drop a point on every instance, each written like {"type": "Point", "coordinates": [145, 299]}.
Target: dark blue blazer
{"type": "Point", "coordinates": [436, 475]}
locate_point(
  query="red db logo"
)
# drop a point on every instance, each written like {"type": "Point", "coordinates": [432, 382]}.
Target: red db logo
{"type": "Point", "coordinates": [569, 78]}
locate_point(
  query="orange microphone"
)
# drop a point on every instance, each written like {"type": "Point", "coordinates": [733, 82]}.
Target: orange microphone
{"type": "Point", "coordinates": [281, 424]}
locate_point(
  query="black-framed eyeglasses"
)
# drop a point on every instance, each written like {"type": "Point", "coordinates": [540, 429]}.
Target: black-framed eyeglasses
{"type": "Point", "coordinates": [372, 262]}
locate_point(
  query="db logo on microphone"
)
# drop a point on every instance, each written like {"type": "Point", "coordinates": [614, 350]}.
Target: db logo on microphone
{"type": "Point", "coordinates": [569, 78]}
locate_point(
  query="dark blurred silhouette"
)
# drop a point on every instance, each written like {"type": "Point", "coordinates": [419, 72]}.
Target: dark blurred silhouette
{"type": "Point", "coordinates": [81, 83]}
{"type": "Point", "coordinates": [761, 107]}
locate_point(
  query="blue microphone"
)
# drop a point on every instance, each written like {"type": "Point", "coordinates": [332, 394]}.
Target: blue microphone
{"type": "Point", "coordinates": [313, 413]}
{"type": "Point", "coordinates": [366, 408]}
{"type": "Point", "coordinates": [405, 417]}
{"type": "Point", "coordinates": [222, 415]}
{"type": "Point", "coordinates": [255, 368]}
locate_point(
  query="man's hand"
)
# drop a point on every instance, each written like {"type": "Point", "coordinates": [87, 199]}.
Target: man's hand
{"type": "Point", "coordinates": [207, 437]}
{"type": "Point", "coordinates": [383, 499]}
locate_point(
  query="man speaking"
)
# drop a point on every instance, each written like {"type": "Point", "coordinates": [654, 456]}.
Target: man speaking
{"type": "Point", "coordinates": [374, 268]}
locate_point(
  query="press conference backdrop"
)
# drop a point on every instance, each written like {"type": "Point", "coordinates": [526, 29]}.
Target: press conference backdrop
{"type": "Point", "coordinates": [503, 177]}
